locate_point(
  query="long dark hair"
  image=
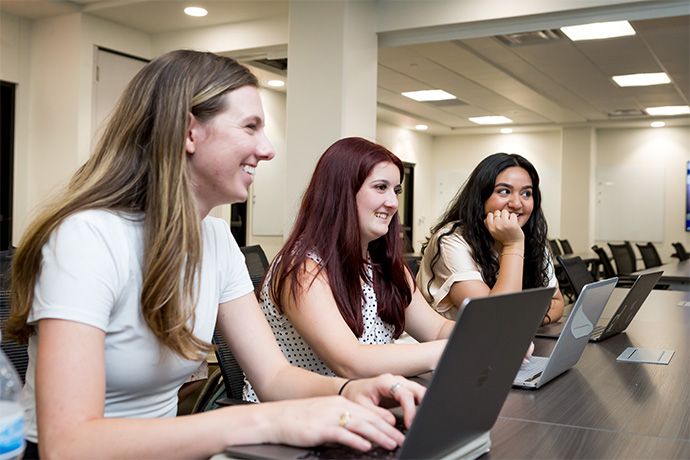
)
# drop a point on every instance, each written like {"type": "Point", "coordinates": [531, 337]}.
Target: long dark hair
{"type": "Point", "coordinates": [328, 225]}
{"type": "Point", "coordinates": [466, 213]}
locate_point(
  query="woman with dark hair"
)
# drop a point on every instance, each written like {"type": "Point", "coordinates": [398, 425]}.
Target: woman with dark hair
{"type": "Point", "coordinates": [118, 284]}
{"type": "Point", "coordinates": [491, 240]}
{"type": "Point", "coordinates": [339, 291]}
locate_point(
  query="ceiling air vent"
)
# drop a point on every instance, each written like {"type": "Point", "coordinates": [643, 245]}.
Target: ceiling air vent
{"type": "Point", "coordinates": [447, 103]}
{"type": "Point", "coordinates": [278, 66]}
{"type": "Point", "coordinates": [531, 38]}
{"type": "Point", "coordinates": [626, 113]}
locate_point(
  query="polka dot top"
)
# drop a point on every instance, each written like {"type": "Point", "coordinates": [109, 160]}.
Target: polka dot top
{"type": "Point", "coordinates": [296, 350]}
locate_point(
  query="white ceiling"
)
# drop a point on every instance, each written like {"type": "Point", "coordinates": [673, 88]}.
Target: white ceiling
{"type": "Point", "coordinates": [538, 84]}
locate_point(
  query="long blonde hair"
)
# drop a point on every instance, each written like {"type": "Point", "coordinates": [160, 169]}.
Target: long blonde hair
{"type": "Point", "coordinates": [139, 165]}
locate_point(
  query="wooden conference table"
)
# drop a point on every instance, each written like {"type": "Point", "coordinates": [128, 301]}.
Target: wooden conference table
{"type": "Point", "coordinates": [676, 274]}
{"type": "Point", "coordinates": [606, 409]}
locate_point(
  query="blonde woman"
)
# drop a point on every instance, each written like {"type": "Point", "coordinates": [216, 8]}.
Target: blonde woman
{"type": "Point", "coordinates": [118, 284]}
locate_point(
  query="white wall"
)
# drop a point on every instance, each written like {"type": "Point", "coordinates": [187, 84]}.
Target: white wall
{"type": "Point", "coordinates": [51, 59]}
{"type": "Point", "coordinates": [667, 147]}
{"type": "Point", "coordinates": [275, 112]}
{"type": "Point", "coordinates": [15, 53]}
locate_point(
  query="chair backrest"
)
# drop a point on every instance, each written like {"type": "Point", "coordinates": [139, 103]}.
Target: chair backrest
{"type": "Point", "coordinates": [555, 249]}
{"type": "Point", "coordinates": [413, 263]}
{"type": "Point", "coordinates": [565, 245]}
{"type": "Point", "coordinates": [633, 257]}
{"type": "Point", "coordinates": [257, 263]}
{"type": "Point", "coordinates": [18, 354]}
{"type": "Point", "coordinates": [681, 253]}
{"type": "Point", "coordinates": [649, 255]}
{"type": "Point", "coordinates": [5, 265]}
{"type": "Point", "coordinates": [577, 272]}
{"type": "Point", "coordinates": [233, 376]}
{"type": "Point", "coordinates": [625, 263]}
{"type": "Point", "coordinates": [609, 272]}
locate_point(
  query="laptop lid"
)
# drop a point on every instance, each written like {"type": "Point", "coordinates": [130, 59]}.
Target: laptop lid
{"type": "Point", "coordinates": [579, 326]}
{"type": "Point", "coordinates": [473, 377]}
{"type": "Point", "coordinates": [621, 318]}
{"type": "Point", "coordinates": [631, 304]}
{"type": "Point", "coordinates": [470, 384]}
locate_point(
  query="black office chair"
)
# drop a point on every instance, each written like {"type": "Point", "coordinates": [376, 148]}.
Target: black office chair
{"type": "Point", "coordinates": [18, 354]}
{"type": "Point", "coordinates": [565, 244]}
{"type": "Point", "coordinates": [680, 253]}
{"type": "Point", "coordinates": [606, 265]}
{"type": "Point", "coordinates": [649, 255]}
{"type": "Point", "coordinates": [233, 376]}
{"type": "Point", "coordinates": [555, 249]}
{"type": "Point", "coordinates": [624, 257]}
{"type": "Point", "coordinates": [413, 263]}
{"type": "Point", "coordinates": [577, 273]}
{"type": "Point", "coordinates": [257, 263]}
{"type": "Point", "coordinates": [5, 265]}
{"type": "Point", "coordinates": [212, 391]}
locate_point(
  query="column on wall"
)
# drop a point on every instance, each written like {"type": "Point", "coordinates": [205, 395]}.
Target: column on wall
{"type": "Point", "coordinates": [578, 187]}
{"type": "Point", "coordinates": [332, 59]}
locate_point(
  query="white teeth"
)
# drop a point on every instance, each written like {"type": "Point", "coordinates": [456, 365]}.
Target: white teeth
{"type": "Point", "coordinates": [248, 169]}
{"type": "Point", "coordinates": [381, 215]}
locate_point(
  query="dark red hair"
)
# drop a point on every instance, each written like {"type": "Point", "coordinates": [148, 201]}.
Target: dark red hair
{"type": "Point", "coordinates": [328, 225]}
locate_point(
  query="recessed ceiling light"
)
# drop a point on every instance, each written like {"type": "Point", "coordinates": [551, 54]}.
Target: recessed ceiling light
{"type": "Point", "coordinates": [195, 11]}
{"type": "Point", "coordinates": [506, 130]}
{"type": "Point", "coordinates": [669, 110]}
{"type": "Point", "coordinates": [421, 127]}
{"type": "Point", "coordinates": [598, 30]}
{"type": "Point", "coordinates": [276, 83]}
{"type": "Point", "coordinates": [642, 79]}
{"type": "Point", "coordinates": [429, 95]}
{"type": "Point", "coordinates": [658, 124]}
{"type": "Point", "coordinates": [490, 120]}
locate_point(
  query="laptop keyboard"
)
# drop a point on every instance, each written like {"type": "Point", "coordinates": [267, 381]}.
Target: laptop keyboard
{"type": "Point", "coordinates": [535, 366]}
{"type": "Point", "coordinates": [339, 451]}
{"type": "Point", "coordinates": [598, 331]}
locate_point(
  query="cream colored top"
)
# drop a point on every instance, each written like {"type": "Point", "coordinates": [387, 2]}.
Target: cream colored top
{"type": "Point", "coordinates": [455, 264]}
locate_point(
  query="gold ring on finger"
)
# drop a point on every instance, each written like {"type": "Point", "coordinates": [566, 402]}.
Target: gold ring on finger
{"type": "Point", "coordinates": [344, 418]}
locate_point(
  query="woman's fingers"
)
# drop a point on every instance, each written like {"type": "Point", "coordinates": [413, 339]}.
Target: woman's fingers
{"type": "Point", "coordinates": [528, 355]}
{"type": "Point", "coordinates": [314, 421]}
{"type": "Point", "coordinates": [503, 226]}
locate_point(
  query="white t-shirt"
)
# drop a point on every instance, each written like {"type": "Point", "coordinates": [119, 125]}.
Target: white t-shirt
{"type": "Point", "coordinates": [454, 264]}
{"type": "Point", "coordinates": [296, 350]}
{"type": "Point", "coordinates": [92, 273]}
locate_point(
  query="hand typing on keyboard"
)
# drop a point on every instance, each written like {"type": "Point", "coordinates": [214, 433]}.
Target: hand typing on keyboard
{"type": "Point", "coordinates": [528, 356]}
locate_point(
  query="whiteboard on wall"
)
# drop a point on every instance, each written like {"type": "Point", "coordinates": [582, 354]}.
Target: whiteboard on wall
{"type": "Point", "coordinates": [448, 182]}
{"type": "Point", "coordinates": [630, 203]}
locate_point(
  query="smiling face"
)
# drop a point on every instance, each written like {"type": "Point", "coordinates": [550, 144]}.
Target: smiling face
{"type": "Point", "coordinates": [377, 201]}
{"type": "Point", "coordinates": [512, 192]}
{"type": "Point", "coordinates": [222, 153]}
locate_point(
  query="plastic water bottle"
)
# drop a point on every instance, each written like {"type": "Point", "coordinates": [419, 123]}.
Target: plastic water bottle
{"type": "Point", "coordinates": [12, 442]}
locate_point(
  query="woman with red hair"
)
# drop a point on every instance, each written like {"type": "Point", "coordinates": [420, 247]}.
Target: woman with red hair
{"type": "Point", "coordinates": [339, 292]}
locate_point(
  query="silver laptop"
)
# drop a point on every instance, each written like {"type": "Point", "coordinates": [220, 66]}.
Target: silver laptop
{"type": "Point", "coordinates": [570, 345]}
{"type": "Point", "coordinates": [623, 316]}
{"type": "Point", "coordinates": [466, 391]}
